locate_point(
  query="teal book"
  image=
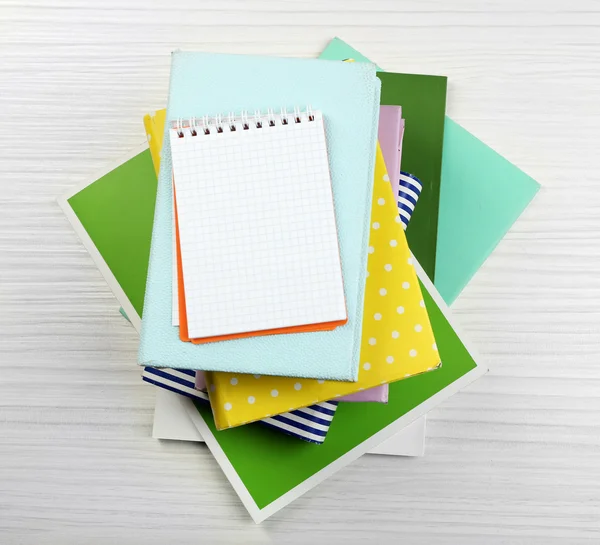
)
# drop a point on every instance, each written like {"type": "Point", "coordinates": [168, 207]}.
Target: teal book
{"type": "Point", "coordinates": [480, 197]}
{"type": "Point", "coordinates": [348, 95]}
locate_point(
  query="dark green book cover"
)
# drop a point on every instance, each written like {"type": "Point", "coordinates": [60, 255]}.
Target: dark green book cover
{"type": "Point", "coordinates": [423, 101]}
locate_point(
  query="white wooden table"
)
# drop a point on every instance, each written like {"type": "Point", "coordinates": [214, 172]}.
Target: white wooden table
{"type": "Point", "coordinates": [514, 459]}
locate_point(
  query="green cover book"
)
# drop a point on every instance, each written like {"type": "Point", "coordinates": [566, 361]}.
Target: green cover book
{"type": "Point", "coordinates": [113, 215]}
{"type": "Point", "coordinates": [423, 101]}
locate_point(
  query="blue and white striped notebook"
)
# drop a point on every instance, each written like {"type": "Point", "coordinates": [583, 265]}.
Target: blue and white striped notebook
{"type": "Point", "coordinates": [408, 194]}
{"type": "Point", "coordinates": [309, 424]}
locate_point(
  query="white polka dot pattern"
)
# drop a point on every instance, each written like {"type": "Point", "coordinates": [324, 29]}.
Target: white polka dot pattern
{"type": "Point", "coordinates": [392, 347]}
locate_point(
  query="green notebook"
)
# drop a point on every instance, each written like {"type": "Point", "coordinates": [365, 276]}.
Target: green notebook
{"type": "Point", "coordinates": [113, 216]}
{"type": "Point", "coordinates": [482, 195]}
{"type": "Point", "coordinates": [423, 101]}
{"type": "Point", "coordinates": [269, 470]}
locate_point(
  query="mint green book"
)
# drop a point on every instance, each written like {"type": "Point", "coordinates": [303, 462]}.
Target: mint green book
{"type": "Point", "coordinates": [481, 196]}
{"type": "Point", "coordinates": [267, 469]}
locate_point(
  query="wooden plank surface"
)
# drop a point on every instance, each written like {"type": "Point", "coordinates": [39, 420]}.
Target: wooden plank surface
{"type": "Point", "coordinates": [513, 459]}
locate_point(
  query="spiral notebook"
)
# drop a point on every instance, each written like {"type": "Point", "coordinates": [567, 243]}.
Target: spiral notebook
{"type": "Point", "coordinates": [310, 424]}
{"type": "Point", "coordinates": [348, 95]}
{"type": "Point", "coordinates": [256, 258]}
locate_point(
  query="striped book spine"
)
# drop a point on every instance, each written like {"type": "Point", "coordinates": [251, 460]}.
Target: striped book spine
{"type": "Point", "coordinates": [309, 424]}
{"type": "Point", "coordinates": [408, 195]}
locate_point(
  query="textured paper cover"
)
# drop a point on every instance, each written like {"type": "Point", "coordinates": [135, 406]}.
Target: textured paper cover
{"type": "Point", "coordinates": [348, 94]}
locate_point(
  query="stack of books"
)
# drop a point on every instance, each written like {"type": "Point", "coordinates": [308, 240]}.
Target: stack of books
{"type": "Point", "coordinates": [275, 243]}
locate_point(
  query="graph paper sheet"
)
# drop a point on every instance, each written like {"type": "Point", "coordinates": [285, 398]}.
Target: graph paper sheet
{"type": "Point", "coordinates": [257, 229]}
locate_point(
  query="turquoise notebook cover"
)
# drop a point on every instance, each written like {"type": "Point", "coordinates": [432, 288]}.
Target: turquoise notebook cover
{"type": "Point", "coordinates": [348, 95]}
{"type": "Point", "coordinates": [482, 195]}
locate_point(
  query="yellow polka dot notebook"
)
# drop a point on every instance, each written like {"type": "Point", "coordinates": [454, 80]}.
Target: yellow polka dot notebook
{"type": "Point", "coordinates": [397, 338]}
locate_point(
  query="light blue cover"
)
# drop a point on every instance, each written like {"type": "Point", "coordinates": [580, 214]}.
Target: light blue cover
{"type": "Point", "coordinates": [481, 196]}
{"type": "Point", "coordinates": [348, 95]}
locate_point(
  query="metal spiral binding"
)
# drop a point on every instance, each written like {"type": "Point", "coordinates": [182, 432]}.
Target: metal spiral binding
{"type": "Point", "coordinates": [207, 125]}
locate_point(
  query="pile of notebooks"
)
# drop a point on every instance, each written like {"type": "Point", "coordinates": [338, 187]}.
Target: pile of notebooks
{"type": "Point", "coordinates": [286, 244]}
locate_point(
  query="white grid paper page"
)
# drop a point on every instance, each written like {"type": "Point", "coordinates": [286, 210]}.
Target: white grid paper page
{"type": "Point", "coordinates": [257, 228]}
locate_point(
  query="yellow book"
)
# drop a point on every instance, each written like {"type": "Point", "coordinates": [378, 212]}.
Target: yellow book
{"type": "Point", "coordinates": [397, 338]}
{"type": "Point", "coordinates": [155, 129]}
